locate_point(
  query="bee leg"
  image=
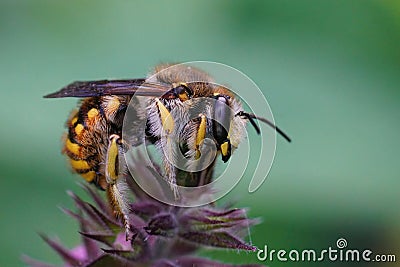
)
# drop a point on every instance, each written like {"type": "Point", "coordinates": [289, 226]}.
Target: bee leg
{"type": "Point", "coordinates": [115, 184]}
{"type": "Point", "coordinates": [168, 146]}
{"type": "Point", "coordinates": [201, 134]}
{"type": "Point", "coordinates": [171, 177]}
{"type": "Point", "coordinates": [200, 178]}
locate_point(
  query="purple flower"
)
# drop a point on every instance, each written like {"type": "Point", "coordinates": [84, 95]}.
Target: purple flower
{"type": "Point", "coordinates": [161, 235]}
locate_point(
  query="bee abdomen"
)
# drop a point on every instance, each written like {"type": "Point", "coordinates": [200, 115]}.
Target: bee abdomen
{"type": "Point", "coordinates": [84, 142]}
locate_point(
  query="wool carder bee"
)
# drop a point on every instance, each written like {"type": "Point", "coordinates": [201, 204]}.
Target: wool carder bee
{"type": "Point", "coordinates": [181, 106]}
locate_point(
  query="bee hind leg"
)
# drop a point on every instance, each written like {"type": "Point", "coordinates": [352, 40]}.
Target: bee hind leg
{"type": "Point", "coordinates": [116, 186]}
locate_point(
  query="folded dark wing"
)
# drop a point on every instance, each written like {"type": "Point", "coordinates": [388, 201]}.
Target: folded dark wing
{"type": "Point", "coordinates": [137, 87]}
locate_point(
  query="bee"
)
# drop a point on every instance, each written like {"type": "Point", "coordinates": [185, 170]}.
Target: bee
{"type": "Point", "coordinates": [181, 106]}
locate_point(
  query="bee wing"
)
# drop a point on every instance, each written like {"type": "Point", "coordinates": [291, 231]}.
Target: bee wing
{"type": "Point", "coordinates": [137, 87]}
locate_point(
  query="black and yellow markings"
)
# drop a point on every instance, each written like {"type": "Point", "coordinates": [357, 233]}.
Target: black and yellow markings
{"type": "Point", "coordinates": [166, 119]}
{"type": "Point", "coordinates": [73, 148]}
{"type": "Point", "coordinates": [92, 113]}
{"type": "Point", "coordinates": [74, 121]}
{"type": "Point", "coordinates": [223, 117]}
{"type": "Point", "coordinates": [201, 134]}
{"type": "Point", "coordinates": [114, 193]}
{"type": "Point", "coordinates": [181, 93]}
{"type": "Point", "coordinates": [83, 169]}
{"type": "Point", "coordinates": [79, 164]}
{"type": "Point", "coordinates": [89, 176]}
{"type": "Point", "coordinates": [112, 159]}
{"type": "Point", "coordinates": [78, 129]}
{"type": "Point", "coordinates": [77, 161]}
{"type": "Point", "coordinates": [225, 149]}
{"type": "Point", "coordinates": [75, 128]}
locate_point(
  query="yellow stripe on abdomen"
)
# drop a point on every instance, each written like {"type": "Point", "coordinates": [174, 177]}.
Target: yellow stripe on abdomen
{"type": "Point", "coordinates": [72, 148]}
{"type": "Point", "coordinates": [92, 113]}
{"type": "Point", "coordinates": [78, 129]}
{"type": "Point", "coordinates": [79, 165]}
{"type": "Point", "coordinates": [88, 176]}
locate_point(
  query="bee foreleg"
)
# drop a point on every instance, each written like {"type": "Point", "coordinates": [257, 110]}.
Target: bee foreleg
{"type": "Point", "coordinates": [201, 134]}
{"type": "Point", "coordinates": [168, 146]}
{"type": "Point", "coordinates": [116, 186]}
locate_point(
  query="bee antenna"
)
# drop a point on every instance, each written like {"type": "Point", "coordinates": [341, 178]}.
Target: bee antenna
{"type": "Point", "coordinates": [251, 117]}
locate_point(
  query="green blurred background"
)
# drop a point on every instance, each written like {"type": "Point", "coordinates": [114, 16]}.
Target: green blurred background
{"type": "Point", "coordinates": [329, 69]}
